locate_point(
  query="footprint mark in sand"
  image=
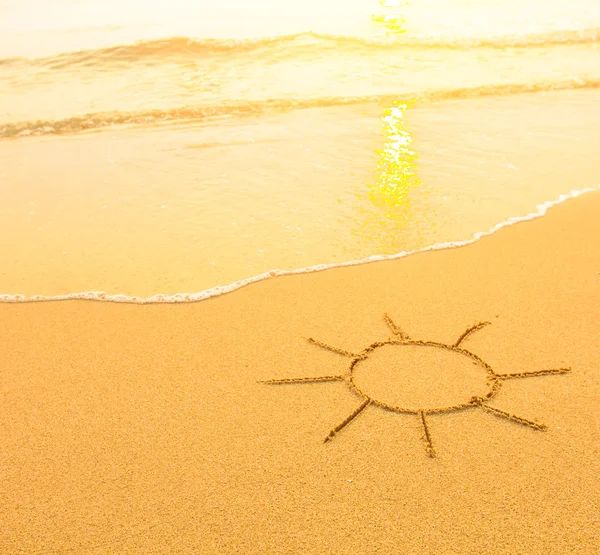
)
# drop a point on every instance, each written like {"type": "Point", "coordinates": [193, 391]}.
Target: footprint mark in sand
{"type": "Point", "coordinates": [494, 382]}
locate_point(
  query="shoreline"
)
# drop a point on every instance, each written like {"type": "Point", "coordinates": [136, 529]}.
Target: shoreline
{"type": "Point", "coordinates": [148, 429]}
{"type": "Point", "coordinates": [159, 298]}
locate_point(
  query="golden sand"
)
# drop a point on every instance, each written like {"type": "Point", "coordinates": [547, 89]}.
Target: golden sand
{"type": "Point", "coordinates": [146, 429]}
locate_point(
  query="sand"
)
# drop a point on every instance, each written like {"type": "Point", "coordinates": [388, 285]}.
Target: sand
{"type": "Point", "coordinates": [144, 429]}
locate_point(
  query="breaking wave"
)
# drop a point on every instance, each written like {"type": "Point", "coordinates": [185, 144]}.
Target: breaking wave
{"type": "Point", "coordinates": [100, 120]}
{"type": "Point", "coordinates": [295, 45]}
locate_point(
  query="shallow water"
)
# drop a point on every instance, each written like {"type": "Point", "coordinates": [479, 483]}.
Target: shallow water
{"type": "Point", "coordinates": [178, 164]}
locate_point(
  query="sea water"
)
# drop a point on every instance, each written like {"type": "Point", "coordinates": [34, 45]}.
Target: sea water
{"type": "Point", "coordinates": [171, 148]}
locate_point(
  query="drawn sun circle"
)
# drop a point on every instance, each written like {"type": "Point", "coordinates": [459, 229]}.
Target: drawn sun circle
{"type": "Point", "coordinates": [379, 384]}
{"type": "Point", "coordinates": [421, 376]}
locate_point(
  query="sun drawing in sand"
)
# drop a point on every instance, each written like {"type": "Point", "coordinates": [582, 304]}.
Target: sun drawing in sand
{"type": "Point", "coordinates": [369, 397]}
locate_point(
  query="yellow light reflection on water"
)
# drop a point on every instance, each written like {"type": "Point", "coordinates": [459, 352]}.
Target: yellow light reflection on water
{"type": "Point", "coordinates": [386, 207]}
{"type": "Point", "coordinates": [396, 166]}
{"type": "Point", "coordinates": [391, 22]}
{"type": "Point", "coordinates": [389, 209]}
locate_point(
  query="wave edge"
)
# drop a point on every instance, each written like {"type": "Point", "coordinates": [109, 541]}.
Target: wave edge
{"type": "Point", "coordinates": [99, 120]}
{"type": "Point", "coordinates": [187, 46]}
{"type": "Point", "coordinates": [180, 298]}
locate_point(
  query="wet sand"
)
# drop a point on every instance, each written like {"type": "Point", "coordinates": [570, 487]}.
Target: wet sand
{"type": "Point", "coordinates": [144, 429]}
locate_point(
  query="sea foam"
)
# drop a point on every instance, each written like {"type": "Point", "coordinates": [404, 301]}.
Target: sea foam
{"type": "Point", "coordinates": [161, 298]}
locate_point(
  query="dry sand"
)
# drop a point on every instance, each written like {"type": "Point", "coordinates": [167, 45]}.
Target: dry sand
{"type": "Point", "coordinates": [143, 429]}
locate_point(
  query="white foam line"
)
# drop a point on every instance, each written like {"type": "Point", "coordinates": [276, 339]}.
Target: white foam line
{"type": "Point", "coordinates": [101, 296]}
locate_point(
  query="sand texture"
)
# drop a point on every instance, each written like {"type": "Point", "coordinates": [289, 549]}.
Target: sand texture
{"type": "Point", "coordinates": [145, 429]}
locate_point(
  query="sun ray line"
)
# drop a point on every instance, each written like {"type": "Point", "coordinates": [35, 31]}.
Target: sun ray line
{"type": "Point", "coordinates": [331, 348]}
{"type": "Point", "coordinates": [349, 376]}
{"type": "Point", "coordinates": [305, 380]}
{"type": "Point", "coordinates": [395, 329]}
{"type": "Point", "coordinates": [469, 331]}
{"type": "Point", "coordinates": [509, 416]}
{"type": "Point", "coordinates": [534, 373]}
{"type": "Point", "coordinates": [347, 421]}
{"type": "Point", "coordinates": [427, 436]}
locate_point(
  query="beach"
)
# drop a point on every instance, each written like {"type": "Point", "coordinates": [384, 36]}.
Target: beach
{"type": "Point", "coordinates": [146, 429]}
{"type": "Point", "coordinates": [317, 278]}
